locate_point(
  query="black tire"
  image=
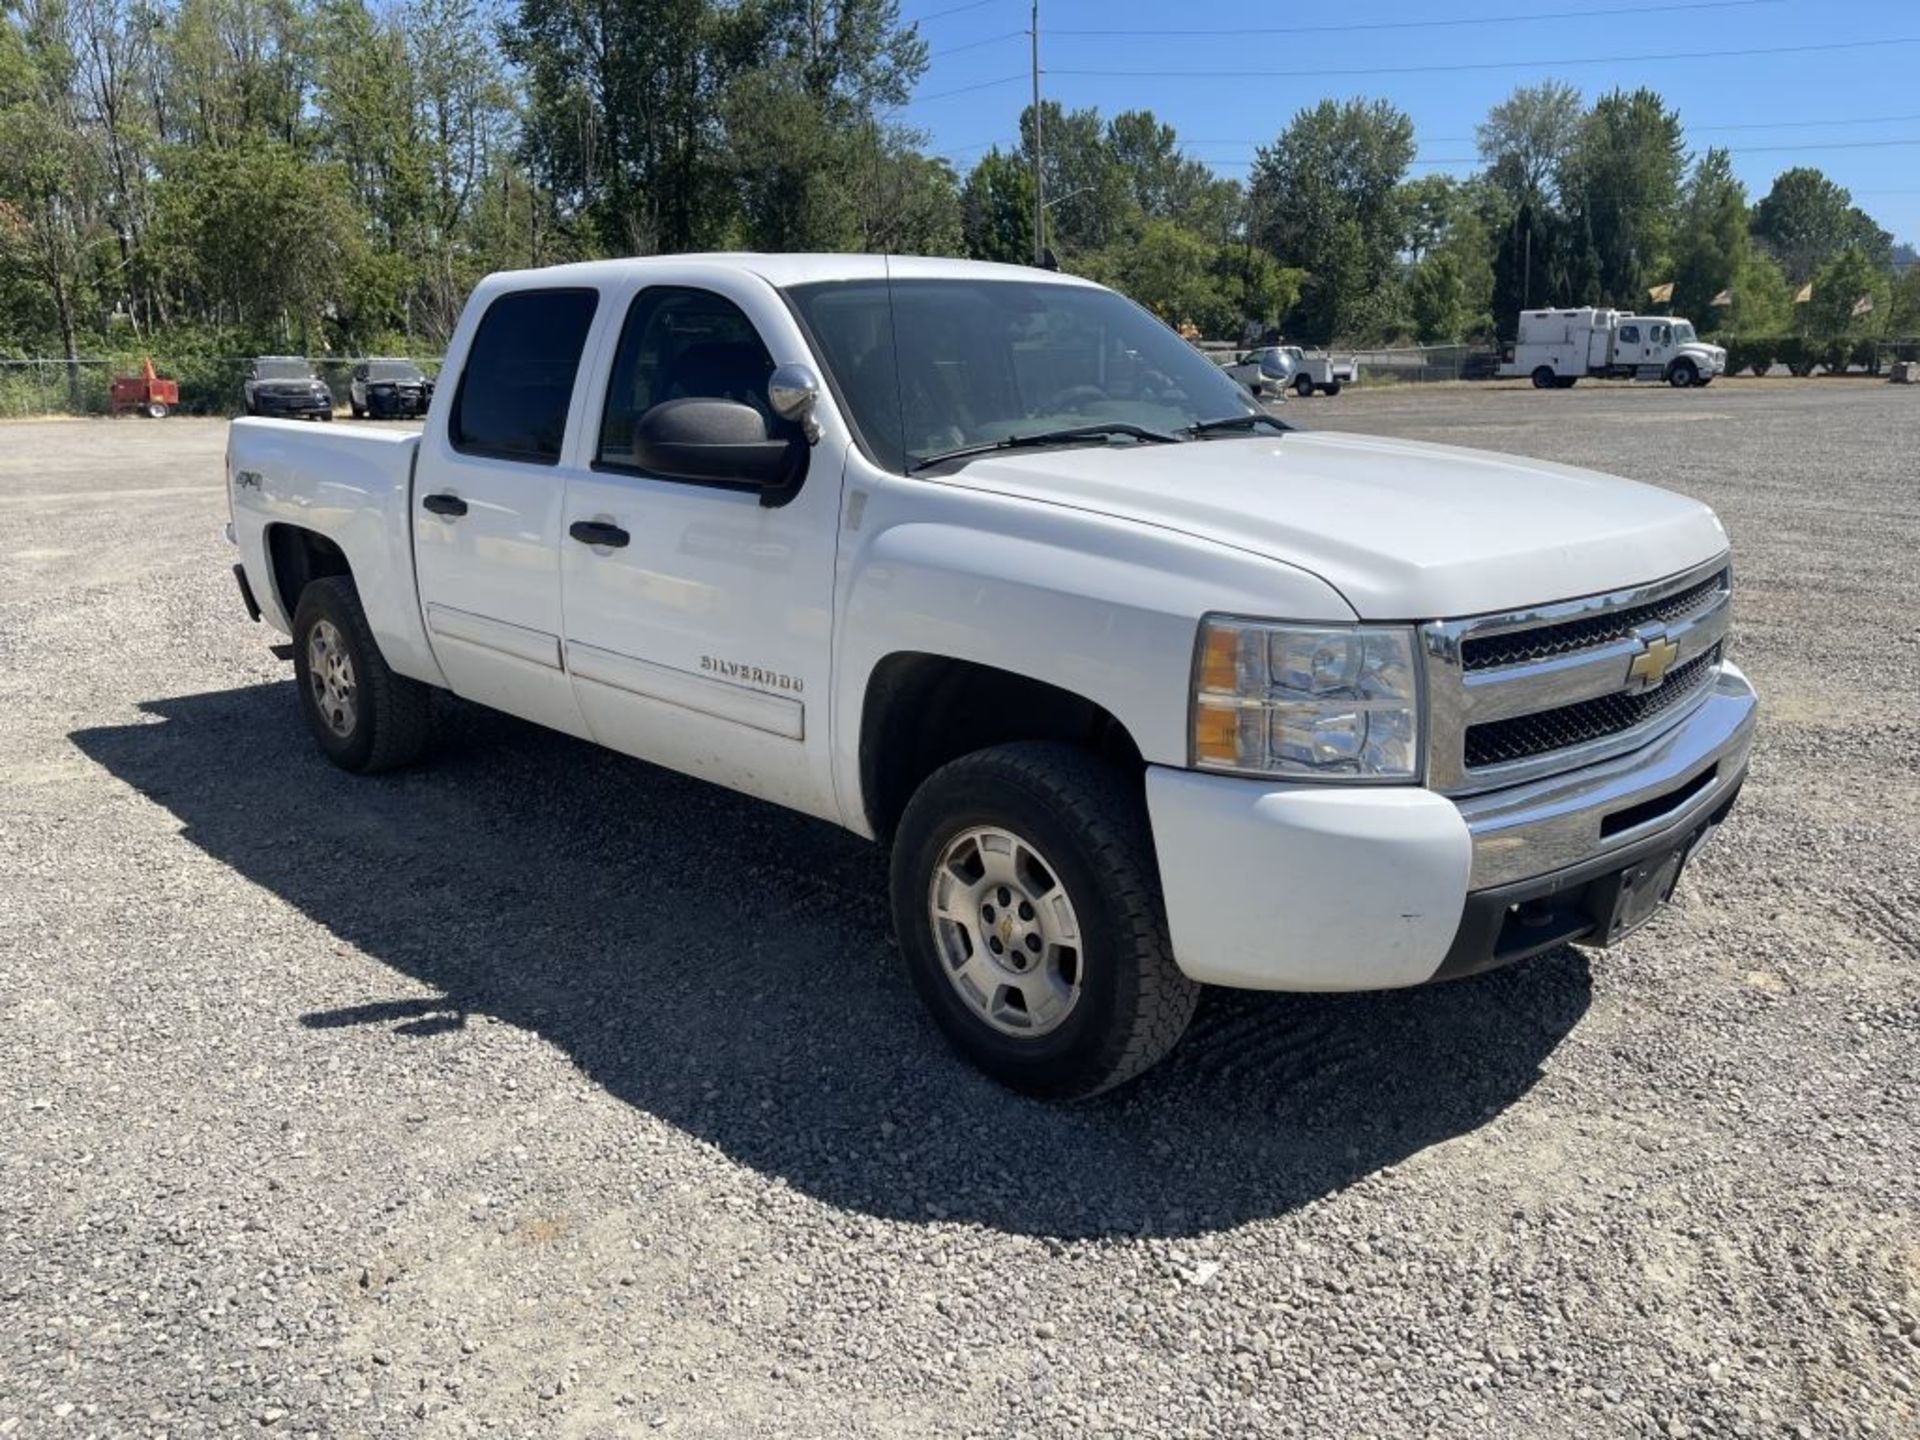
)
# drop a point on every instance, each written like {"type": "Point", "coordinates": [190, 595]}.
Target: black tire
{"type": "Point", "coordinates": [1565, 382]}
{"type": "Point", "coordinates": [1088, 820]}
{"type": "Point", "coordinates": [392, 716]}
{"type": "Point", "coordinates": [1303, 387]}
{"type": "Point", "coordinates": [326, 415]}
{"type": "Point", "coordinates": [359, 410]}
{"type": "Point", "coordinates": [1682, 375]}
{"type": "Point", "coordinates": [1543, 377]}
{"type": "Point", "coordinates": [155, 410]}
{"type": "Point", "coordinates": [1333, 387]}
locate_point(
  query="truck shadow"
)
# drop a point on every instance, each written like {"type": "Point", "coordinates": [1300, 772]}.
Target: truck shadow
{"type": "Point", "coordinates": [727, 966]}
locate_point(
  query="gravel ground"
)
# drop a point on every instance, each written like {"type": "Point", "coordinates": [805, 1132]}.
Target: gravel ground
{"type": "Point", "coordinates": [537, 1091]}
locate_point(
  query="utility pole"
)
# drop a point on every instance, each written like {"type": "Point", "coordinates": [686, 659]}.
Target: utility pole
{"type": "Point", "coordinates": [1039, 184]}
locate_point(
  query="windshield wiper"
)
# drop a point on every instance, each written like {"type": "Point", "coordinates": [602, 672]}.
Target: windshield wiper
{"type": "Point", "coordinates": [1235, 422]}
{"type": "Point", "coordinates": [1104, 430]}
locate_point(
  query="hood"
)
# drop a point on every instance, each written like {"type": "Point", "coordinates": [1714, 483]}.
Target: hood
{"type": "Point", "coordinates": [1403, 530]}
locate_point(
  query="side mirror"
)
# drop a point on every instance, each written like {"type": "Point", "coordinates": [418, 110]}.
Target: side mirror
{"type": "Point", "coordinates": [717, 442]}
{"type": "Point", "coordinates": [793, 391]}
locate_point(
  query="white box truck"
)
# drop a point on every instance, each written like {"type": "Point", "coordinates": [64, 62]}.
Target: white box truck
{"type": "Point", "coordinates": [1556, 348]}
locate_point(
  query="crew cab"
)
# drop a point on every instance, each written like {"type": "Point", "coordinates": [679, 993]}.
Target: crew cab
{"type": "Point", "coordinates": [1145, 689]}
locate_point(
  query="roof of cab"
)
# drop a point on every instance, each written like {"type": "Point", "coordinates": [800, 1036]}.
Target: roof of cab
{"type": "Point", "coordinates": [785, 270]}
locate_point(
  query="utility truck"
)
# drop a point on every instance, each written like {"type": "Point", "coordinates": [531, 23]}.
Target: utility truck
{"type": "Point", "coordinates": [1557, 348]}
{"type": "Point", "coordinates": [1145, 689]}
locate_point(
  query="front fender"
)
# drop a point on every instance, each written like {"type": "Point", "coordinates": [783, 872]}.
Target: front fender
{"type": "Point", "coordinates": [1101, 607]}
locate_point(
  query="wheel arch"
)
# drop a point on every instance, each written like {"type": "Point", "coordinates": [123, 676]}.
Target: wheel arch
{"type": "Point", "coordinates": [921, 710]}
{"type": "Point", "coordinates": [297, 556]}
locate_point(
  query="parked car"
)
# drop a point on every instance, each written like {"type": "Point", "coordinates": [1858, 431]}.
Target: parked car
{"type": "Point", "coordinates": [1266, 371]}
{"type": "Point", "coordinates": [286, 385]}
{"type": "Point", "coordinates": [388, 390]}
{"type": "Point", "coordinates": [1558, 348]}
{"type": "Point", "coordinates": [1145, 689]}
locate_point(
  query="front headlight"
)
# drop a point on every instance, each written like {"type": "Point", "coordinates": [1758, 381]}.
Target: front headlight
{"type": "Point", "coordinates": [1307, 702]}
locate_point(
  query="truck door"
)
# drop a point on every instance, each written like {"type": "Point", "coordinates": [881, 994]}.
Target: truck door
{"type": "Point", "coordinates": [487, 495]}
{"type": "Point", "coordinates": [700, 637]}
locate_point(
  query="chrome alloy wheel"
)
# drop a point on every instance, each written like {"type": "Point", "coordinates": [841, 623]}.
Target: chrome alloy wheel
{"type": "Point", "coordinates": [330, 674]}
{"type": "Point", "coordinates": [1004, 927]}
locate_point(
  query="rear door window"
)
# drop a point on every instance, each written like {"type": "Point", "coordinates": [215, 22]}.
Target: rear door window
{"type": "Point", "coordinates": [513, 395]}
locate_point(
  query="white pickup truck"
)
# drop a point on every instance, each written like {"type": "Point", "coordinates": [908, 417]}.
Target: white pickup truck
{"type": "Point", "coordinates": [1145, 689]}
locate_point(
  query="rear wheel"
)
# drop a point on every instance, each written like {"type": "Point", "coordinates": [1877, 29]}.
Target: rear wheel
{"type": "Point", "coordinates": [363, 716]}
{"type": "Point", "coordinates": [1543, 377]}
{"type": "Point", "coordinates": [1303, 386]}
{"type": "Point", "coordinates": [155, 410]}
{"type": "Point", "coordinates": [1333, 387]}
{"type": "Point", "coordinates": [1027, 904]}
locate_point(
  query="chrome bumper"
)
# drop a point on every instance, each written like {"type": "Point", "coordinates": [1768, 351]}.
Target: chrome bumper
{"type": "Point", "coordinates": [1534, 829]}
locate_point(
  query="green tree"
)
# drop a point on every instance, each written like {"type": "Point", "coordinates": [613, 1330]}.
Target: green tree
{"type": "Point", "coordinates": [1324, 198]}
{"type": "Point", "coordinates": [1088, 197]}
{"type": "Point", "coordinates": [1711, 242]}
{"type": "Point", "coordinates": [1526, 140]}
{"type": "Point", "coordinates": [1762, 300]}
{"type": "Point", "coordinates": [1903, 315]}
{"type": "Point", "coordinates": [996, 209]}
{"type": "Point", "coordinates": [1620, 185]}
{"type": "Point", "coordinates": [1806, 220]}
{"type": "Point", "coordinates": [1846, 282]}
{"type": "Point", "coordinates": [261, 238]}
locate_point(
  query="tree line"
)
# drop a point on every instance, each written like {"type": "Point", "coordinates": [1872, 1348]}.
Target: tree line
{"type": "Point", "coordinates": [211, 176]}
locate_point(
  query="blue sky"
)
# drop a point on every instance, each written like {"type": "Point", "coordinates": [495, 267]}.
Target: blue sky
{"type": "Point", "coordinates": [1837, 87]}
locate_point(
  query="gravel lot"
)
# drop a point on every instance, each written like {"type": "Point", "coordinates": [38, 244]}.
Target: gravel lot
{"type": "Point", "coordinates": [539, 1092]}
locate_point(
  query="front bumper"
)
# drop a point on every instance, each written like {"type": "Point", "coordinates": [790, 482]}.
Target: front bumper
{"type": "Point", "coordinates": [1307, 887]}
{"type": "Point", "coordinates": [292, 406]}
{"type": "Point", "coordinates": [397, 405]}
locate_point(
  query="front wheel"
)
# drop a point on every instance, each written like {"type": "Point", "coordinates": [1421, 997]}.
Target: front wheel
{"type": "Point", "coordinates": [1027, 904]}
{"type": "Point", "coordinates": [1303, 387]}
{"type": "Point", "coordinates": [1543, 377]}
{"type": "Point", "coordinates": [363, 716]}
{"type": "Point", "coordinates": [1683, 376]}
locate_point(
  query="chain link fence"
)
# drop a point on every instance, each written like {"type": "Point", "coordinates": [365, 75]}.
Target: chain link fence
{"type": "Point", "coordinates": [209, 384]}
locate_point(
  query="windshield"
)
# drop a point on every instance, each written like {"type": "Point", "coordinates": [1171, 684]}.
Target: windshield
{"type": "Point", "coordinates": [282, 370]}
{"type": "Point", "coordinates": [1682, 332]}
{"type": "Point", "coordinates": [981, 360]}
{"type": "Point", "coordinates": [393, 370]}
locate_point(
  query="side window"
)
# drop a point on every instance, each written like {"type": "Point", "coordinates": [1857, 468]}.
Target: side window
{"type": "Point", "coordinates": [1662, 335]}
{"type": "Point", "coordinates": [1629, 334]}
{"type": "Point", "coordinates": [678, 344]}
{"type": "Point", "coordinates": [518, 380]}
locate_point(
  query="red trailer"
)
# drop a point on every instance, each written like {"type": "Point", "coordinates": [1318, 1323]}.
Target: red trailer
{"type": "Point", "coordinates": [146, 393]}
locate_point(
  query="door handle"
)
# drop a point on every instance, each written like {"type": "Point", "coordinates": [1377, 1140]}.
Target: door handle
{"type": "Point", "coordinates": [594, 532]}
{"type": "Point", "coordinates": [451, 505]}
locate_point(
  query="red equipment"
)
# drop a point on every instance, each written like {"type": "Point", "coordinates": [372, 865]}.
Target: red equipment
{"type": "Point", "coordinates": [146, 393]}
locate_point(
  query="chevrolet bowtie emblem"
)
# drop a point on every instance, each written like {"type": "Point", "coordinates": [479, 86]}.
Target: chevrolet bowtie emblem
{"type": "Point", "coordinates": [1650, 666]}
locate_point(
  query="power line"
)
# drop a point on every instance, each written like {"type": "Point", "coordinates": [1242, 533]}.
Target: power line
{"type": "Point", "coordinates": [950, 10]}
{"type": "Point", "coordinates": [1448, 23]}
{"type": "Point", "coordinates": [966, 89]}
{"type": "Point", "coordinates": [1473, 65]}
{"type": "Point", "coordinates": [977, 44]}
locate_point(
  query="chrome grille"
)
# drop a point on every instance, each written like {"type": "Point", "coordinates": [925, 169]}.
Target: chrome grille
{"type": "Point", "coordinates": [1499, 742]}
{"type": "Point", "coordinates": [1518, 646]}
{"type": "Point", "coordinates": [1515, 696]}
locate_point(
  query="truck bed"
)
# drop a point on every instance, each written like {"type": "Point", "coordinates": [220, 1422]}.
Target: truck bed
{"type": "Point", "coordinates": [351, 485]}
